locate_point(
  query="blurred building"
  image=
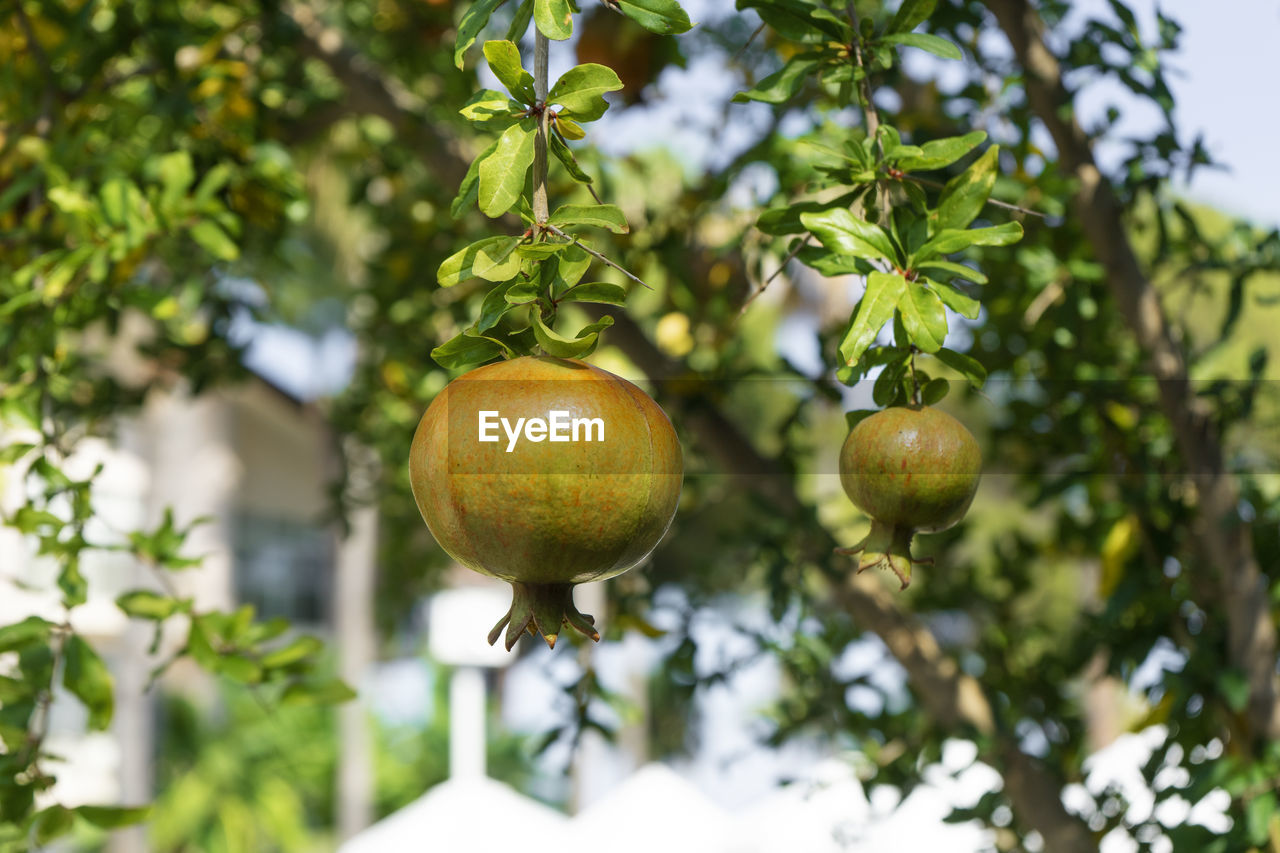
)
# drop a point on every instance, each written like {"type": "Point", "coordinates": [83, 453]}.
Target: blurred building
{"type": "Point", "coordinates": [256, 464]}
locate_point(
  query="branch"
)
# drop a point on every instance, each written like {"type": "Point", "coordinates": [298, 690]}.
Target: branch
{"type": "Point", "coordinates": [1223, 537]}
{"type": "Point", "coordinates": [951, 698]}
{"type": "Point", "coordinates": [541, 54]}
{"type": "Point", "coordinates": [597, 255]}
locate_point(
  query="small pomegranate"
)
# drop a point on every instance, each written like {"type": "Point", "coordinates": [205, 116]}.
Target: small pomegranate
{"type": "Point", "coordinates": [910, 469]}
{"type": "Point", "coordinates": [545, 472]}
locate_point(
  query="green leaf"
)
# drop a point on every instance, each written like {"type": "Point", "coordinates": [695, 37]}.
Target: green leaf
{"type": "Point", "coordinates": [75, 589]}
{"type": "Point", "coordinates": [565, 156]}
{"type": "Point", "coordinates": [967, 366]}
{"type": "Point", "coordinates": [923, 316]}
{"type": "Point", "coordinates": [492, 259]}
{"type": "Point", "coordinates": [562, 347]}
{"type": "Point", "coordinates": [954, 240]}
{"type": "Point", "coordinates": [29, 631]}
{"type": "Point", "coordinates": [1234, 687]}
{"type": "Point", "coordinates": [911, 14]}
{"type": "Point", "coordinates": [493, 307]}
{"type": "Point", "coordinates": [520, 21]}
{"type": "Point", "coordinates": [942, 152]}
{"type": "Point", "coordinates": [783, 84]}
{"type": "Point", "coordinates": [1260, 814]}
{"type": "Point", "coordinates": [473, 21]}
{"type": "Point", "coordinates": [470, 188]}
{"type": "Point", "coordinates": [959, 270]}
{"type": "Point", "coordinates": [491, 109]}
{"type": "Point", "coordinates": [607, 216]}
{"type": "Point", "coordinates": [463, 350]}
{"type": "Point", "coordinates": [240, 668]}
{"type": "Point", "coordinates": [52, 822]}
{"type": "Point", "coordinates": [664, 17]}
{"type": "Point", "coordinates": [554, 18]}
{"type": "Point", "coordinates": [888, 389]}
{"type": "Point", "coordinates": [889, 138]}
{"type": "Point", "coordinates": [300, 649]}
{"type": "Point", "coordinates": [569, 129]}
{"type": "Point", "coordinates": [210, 237]}
{"type": "Point", "coordinates": [213, 181]}
{"type": "Point", "coordinates": [934, 390]}
{"type": "Point", "coordinates": [113, 817]}
{"type": "Point", "coordinates": [845, 233]}
{"type": "Point", "coordinates": [874, 310]}
{"type": "Point", "coordinates": [957, 300]}
{"type": "Point", "coordinates": [569, 268]}
{"type": "Point", "coordinates": [176, 174]}
{"type": "Point", "coordinates": [580, 90]}
{"type": "Point", "coordinates": [124, 206]}
{"type": "Point", "coordinates": [539, 251]}
{"type": "Point", "coordinates": [786, 220]}
{"type": "Point", "coordinates": [502, 173]}
{"type": "Point", "coordinates": [504, 61]}
{"type": "Point", "coordinates": [11, 453]}
{"type": "Point", "coordinates": [797, 20]}
{"type": "Point", "coordinates": [326, 692]}
{"type": "Point", "coordinates": [145, 604]}
{"type": "Point", "coordinates": [596, 291]}
{"type": "Point", "coordinates": [965, 194]}
{"type": "Point", "coordinates": [87, 678]}
{"type": "Point", "coordinates": [831, 264]}
{"type": "Point", "coordinates": [522, 293]}
{"type": "Point", "coordinates": [934, 44]}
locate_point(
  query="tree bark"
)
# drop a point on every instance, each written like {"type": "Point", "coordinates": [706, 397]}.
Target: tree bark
{"type": "Point", "coordinates": [1223, 537]}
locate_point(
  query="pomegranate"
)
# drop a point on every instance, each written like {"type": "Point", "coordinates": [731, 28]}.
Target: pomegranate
{"type": "Point", "coordinates": [545, 472]}
{"type": "Point", "coordinates": [910, 469]}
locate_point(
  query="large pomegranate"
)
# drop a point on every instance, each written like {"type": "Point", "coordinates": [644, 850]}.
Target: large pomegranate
{"type": "Point", "coordinates": [910, 469]}
{"type": "Point", "coordinates": [546, 473]}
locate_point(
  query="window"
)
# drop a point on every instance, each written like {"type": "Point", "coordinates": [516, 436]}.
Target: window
{"type": "Point", "coordinates": [284, 568]}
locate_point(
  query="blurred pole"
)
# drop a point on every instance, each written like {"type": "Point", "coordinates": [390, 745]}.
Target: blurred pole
{"type": "Point", "coordinates": [466, 723]}
{"type": "Point", "coordinates": [353, 606]}
{"type": "Point", "coordinates": [592, 749]}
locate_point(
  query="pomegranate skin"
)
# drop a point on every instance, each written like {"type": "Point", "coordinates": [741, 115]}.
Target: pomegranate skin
{"type": "Point", "coordinates": [544, 515]}
{"type": "Point", "coordinates": [916, 468]}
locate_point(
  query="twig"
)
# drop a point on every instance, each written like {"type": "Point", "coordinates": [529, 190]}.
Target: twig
{"type": "Point", "coordinates": [791, 256]}
{"type": "Point", "coordinates": [1006, 205]}
{"type": "Point", "coordinates": [597, 255]}
{"type": "Point", "coordinates": [746, 44]}
{"type": "Point", "coordinates": [864, 85]}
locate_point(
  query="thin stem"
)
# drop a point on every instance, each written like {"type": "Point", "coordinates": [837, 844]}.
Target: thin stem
{"type": "Point", "coordinates": [937, 185]}
{"type": "Point", "coordinates": [747, 43]}
{"type": "Point", "coordinates": [864, 85]}
{"type": "Point", "coordinates": [868, 106]}
{"type": "Point", "coordinates": [541, 51]}
{"type": "Point", "coordinates": [915, 380]}
{"type": "Point", "coordinates": [791, 256]}
{"type": "Point", "coordinates": [590, 251]}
